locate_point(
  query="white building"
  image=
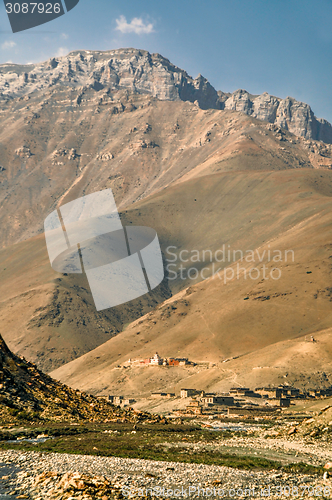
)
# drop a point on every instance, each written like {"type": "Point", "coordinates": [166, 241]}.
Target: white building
{"type": "Point", "coordinates": [156, 360]}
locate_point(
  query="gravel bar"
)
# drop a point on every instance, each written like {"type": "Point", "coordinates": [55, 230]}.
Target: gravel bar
{"type": "Point", "coordinates": [138, 478]}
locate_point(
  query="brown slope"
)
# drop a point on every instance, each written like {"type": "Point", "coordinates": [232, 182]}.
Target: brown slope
{"type": "Point", "coordinates": [241, 210]}
{"type": "Point", "coordinates": [138, 150]}
{"type": "Point", "coordinates": [298, 362]}
{"type": "Point", "coordinates": [211, 321]}
{"type": "Point", "coordinates": [52, 322]}
{"type": "Point", "coordinates": [28, 394]}
{"type": "Point", "coordinates": [50, 318]}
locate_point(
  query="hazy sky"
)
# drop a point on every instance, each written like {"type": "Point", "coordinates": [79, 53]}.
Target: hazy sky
{"type": "Point", "coordinates": [283, 47]}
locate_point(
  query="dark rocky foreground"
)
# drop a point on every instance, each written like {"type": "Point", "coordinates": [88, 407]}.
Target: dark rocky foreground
{"type": "Point", "coordinates": [27, 394]}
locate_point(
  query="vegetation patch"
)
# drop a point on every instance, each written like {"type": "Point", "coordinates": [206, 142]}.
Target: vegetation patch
{"type": "Point", "coordinates": [178, 443]}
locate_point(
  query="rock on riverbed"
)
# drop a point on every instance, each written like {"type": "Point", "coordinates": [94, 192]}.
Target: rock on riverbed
{"type": "Point", "coordinates": [66, 477]}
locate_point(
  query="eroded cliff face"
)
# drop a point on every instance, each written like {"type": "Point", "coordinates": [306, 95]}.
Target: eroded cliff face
{"type": "Point", "coordinates": [140, 72]}
{"type": "Point", "coordinates": [137, 71]}
{"type": "Point", "coordinates": [294, 116]}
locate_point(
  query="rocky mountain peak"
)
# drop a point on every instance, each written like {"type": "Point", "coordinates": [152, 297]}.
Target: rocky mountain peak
{"type": "Point", "coordinates": [139, 72]}
{"type": "Point", "coordinates": [135, 70]}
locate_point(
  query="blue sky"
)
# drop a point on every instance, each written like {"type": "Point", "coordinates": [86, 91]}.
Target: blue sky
{"type": "Point", "coordinates": [283, 47]}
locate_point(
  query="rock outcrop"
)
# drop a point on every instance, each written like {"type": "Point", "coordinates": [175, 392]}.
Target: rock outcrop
{"type": "Point", "coordinates": [54, 486]}
{"type": "Point", "coordinates": [318, 426]}
{"type": "Point", "coordinates": [138, 71]}
{"type": "Point", "coordinates": [294, 116]}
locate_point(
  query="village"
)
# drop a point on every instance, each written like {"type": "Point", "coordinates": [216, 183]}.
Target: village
{"type": "Point", "coordinates": [243, 401]}
{"type": "Point", "coordinates": [192, 402]}
{"type": "Point", "coordinates": [239, 401]}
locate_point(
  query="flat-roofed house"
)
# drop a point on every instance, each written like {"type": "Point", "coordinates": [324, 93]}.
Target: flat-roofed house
{"type": "Point", "coordinates": [269, 392]}
{"type": "Point", "coordinates": [217, 399]}
{"type": "Point", "coordinates": [194, 407]}
{"type": "Point", "coordinates": [188, 393]}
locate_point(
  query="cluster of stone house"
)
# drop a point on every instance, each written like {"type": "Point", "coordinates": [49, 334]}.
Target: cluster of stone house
{"type": "Point", "coordinates": [208, 398]}
{"type": "Point", "coordinates": [202, 400]}
{"type": "Point", "coordinates": [121, 400]}
{"type": "Point", "coordinates": [277, 395]}
{"type": "Point", "coordinates": [286, 391]}
{"type": "Point", "coordinates": [319, 393]}
{"type": "Point", "coordinates": [237, 403]}
{"type": "Point", "coordinates": [245, 392]}
{"type": "Point", "coordinates": [280, 392]}
{"type": "Point", "coordinates": [156, 360]}
{"type": "Point", "coordinates": [205, 405]}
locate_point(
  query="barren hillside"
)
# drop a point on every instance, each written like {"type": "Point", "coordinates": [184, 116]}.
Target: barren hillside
{"type": "Point", "coordinates": [239, 330]}
{"type": "Point", "coordinates": [201, 169]}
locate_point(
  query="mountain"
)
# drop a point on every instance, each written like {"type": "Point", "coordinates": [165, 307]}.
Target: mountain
{"type": "Point", "coordinates": [225, 161]}
{"type": "Point", "coordinates": [138, 71]}
{"type": "Point", "coordinates": [29, 394]}
{"type": "Point", "coordinates": [80, 122]}
{"type": "Point", "coordinates": [239, 329]}
{"type": "Point", "coordinates": [178, 159]}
